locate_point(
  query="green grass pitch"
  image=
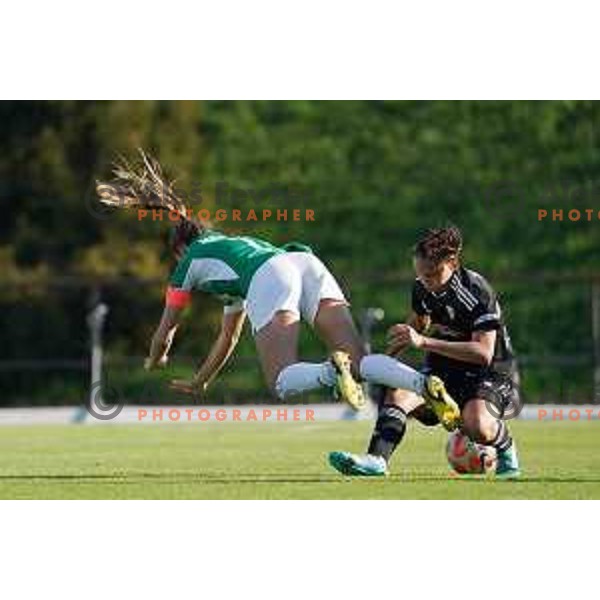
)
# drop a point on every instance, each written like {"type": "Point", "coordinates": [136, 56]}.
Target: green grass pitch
{"type": "Point", "coordinates": [242, 460]}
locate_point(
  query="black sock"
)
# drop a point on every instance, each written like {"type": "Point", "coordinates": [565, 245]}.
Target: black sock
{"type": "Point", "coordinates": [389, 431]}
{"type": "Point", "coordinates": [503, 440]}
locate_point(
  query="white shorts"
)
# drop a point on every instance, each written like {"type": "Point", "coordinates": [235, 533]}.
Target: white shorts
{"type": "Point", "coordinates": [295, 282]}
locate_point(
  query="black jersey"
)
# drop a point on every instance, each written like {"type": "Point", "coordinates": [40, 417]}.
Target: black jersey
{"type": "Point", "coordinates": [467, 304]}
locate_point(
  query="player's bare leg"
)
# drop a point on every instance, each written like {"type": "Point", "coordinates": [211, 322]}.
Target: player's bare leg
{"type": "Point", "coordinates": [277, 345]}
{"type": "Point", "coordinates": [334, 324]}
{"type": "Point", "coordinates": [478, 423]}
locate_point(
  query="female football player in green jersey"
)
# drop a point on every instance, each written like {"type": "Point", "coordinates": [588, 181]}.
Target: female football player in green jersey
{"type": "Point", "coordinates": [275, 287]}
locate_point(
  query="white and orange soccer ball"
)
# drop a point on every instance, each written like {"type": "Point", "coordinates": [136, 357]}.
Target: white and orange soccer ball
{"type": "Point", "coordinates": [467, 457]}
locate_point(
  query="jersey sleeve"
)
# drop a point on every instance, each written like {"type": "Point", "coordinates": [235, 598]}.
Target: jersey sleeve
{"type": "Point", "coordinates": [418, 305]}
{"type": "Point", "coordinates": [486, 313]}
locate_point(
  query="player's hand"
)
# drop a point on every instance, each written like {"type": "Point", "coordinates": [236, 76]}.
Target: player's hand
{"type": "Point", "coordinates": [401, 337]}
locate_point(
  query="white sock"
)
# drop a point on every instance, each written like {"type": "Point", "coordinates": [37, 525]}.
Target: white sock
{"type": "Point", "coordinates": [302, 377]}
{"type": "Point", "coordinates": [385, 370]}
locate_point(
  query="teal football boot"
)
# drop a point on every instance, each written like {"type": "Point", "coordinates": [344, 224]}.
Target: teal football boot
{"type": "Point", "coordinates": [358, 465]}
{"type": "Point", "coordinates": [507, 466]}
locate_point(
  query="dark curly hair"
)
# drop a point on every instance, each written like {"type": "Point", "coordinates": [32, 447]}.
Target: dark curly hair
{"type": "Point", "coordinates": [439, 244]}
{"type": "Point", "coordinates": [183, 234]}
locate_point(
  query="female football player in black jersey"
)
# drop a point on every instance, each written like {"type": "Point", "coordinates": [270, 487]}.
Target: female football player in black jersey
{"type": "Point", "coordinates": [457, 322]}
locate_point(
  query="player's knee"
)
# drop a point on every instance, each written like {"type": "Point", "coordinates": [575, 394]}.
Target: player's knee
{"type": "Point", "coordinates": [480, 428]}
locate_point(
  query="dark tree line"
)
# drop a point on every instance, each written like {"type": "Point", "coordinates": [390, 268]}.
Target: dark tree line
{"type": "Point", "coordinates": [375, 173]}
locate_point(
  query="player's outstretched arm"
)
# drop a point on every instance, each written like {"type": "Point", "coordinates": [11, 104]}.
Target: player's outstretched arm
{"type": "Point", "coordinates": [231, 329]}
{"type": "Point", "coordinates": [163, 338]}
{"type": "Point", "coordinates": [222, 349]}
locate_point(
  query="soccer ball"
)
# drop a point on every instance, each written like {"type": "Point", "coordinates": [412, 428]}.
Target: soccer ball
{"type": "Point", "coordinates": [467, 457]}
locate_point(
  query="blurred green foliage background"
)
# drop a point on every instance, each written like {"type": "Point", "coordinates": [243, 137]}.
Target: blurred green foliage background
{"type": "Point", "coordinates": [375, 173]}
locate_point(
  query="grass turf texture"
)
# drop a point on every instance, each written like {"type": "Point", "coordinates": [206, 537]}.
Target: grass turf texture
{"type": "Point", "coordinates": [243, 460]}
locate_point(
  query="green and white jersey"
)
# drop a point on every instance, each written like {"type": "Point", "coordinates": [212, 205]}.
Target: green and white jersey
{"type": "Point", "coordinates": [222, 265]}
